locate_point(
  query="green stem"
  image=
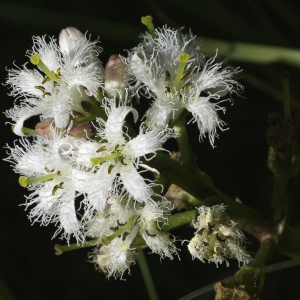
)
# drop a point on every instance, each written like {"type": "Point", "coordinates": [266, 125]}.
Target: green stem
{"type": "Point", "coordinates": [25, 130]}
{"type": "Point", "coordinates": [183, 142]}
{"type": "Point", "coordinates": [253, 53]}
{"type": "Point", "coordinates": [286, 94]}
{"type": "Point", "coordinates": [60, 249]}
{"type": "Point", "coordinates": [147, 276]}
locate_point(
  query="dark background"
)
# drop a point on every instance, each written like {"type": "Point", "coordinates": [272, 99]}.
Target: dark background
{"type": "Point", "coordinates": [29, 269]}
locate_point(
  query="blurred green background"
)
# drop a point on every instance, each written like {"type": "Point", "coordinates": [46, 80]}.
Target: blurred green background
{"type": "Point", "coordinates": [29, 268]}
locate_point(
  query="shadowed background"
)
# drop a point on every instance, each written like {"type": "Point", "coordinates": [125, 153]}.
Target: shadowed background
{"type": "Point", "coordinates": [29, 269]}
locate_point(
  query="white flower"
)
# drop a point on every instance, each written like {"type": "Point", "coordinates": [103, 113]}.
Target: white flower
{"type": "Point", "coordinates": [155, 63]}
{"type": "Point", "coordinates": [72, 71]}
{"type": "Point", "coordinates": [115, 258]}
{"type": "Point", "coordinates": [52, 197]}
{"type": "Point", "coordinates": [115, 159]}
{"type": "Point", "coordinates": [217, 237]}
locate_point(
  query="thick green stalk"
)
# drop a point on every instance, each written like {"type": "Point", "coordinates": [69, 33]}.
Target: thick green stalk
{"type": "Point", "coordinates": [60, 249]}
{"type": "Point", "coordinates": [147, 276]}
{"type": "Point", "coordinates": [183, 142]}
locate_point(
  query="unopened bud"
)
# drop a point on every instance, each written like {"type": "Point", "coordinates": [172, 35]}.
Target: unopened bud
{"type": "Point", "coordinates": [82, 131]}
{"type": "Point", "coordinates": [87, 106]}
{"type": "Point", "coordinates": [67, 35]}
{"type": "Point", "coordinates": [284, 139]}
{"type": "Point", "coordinates": [116, 76]}
{"type": "Point", "coordinates": [43, 128]}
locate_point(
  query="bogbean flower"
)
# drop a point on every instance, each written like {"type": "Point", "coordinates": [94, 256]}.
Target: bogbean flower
{"type": "Point", "coordinates": [158, 241]}
{"type": "Point", "coordinates": [114, 160]}
{"type": "Point", "coordinates": [179, 82]}
{"type": "Point", "coordinates": [49, 171]}
{"type": "Point", "coordinates": [217, 238]}
{"type": "Point", "coordinates": [114, 259]}
{"type": "Point", "coordinates": [65, 77]}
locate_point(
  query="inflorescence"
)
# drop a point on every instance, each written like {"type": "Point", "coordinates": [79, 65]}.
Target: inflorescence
{"type": "Point", "coordinates": [83, 149]}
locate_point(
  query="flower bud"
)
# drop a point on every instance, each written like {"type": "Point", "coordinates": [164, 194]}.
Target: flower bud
{"type": "Point", "coordinates": [284, 139]}
{"type": "Point", "coordinates": [67, 35]}
{"type": "Point", "coordinates": [116, 76]}
{"type": "Point", "coordinates": [82, 131]}
{"type": "Point", "coordinates": [43, 128]}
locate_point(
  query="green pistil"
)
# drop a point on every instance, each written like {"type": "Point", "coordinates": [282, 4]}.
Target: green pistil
{"type": "Point", "coordinates": [148, 22]}
{"type": "Point", "coordinates": [24, 181]}
{"type": "Point", "coordinates": [212, 242]}
{"type": "Point", "coordinates": [183, 59]}
{"type": "Point", "coordinates": [36, 60]}
{"type": "Point", "coordinates": [106, 240]}
{"type": "Point", "coordinates": [98, 160]}
{"type": "Point", "coordinates": [25, 130]}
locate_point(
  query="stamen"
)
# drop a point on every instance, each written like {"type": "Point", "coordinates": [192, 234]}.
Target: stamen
{"type": "Point", "coordinates": [124, 235]}
{"type": "Point", "coordinates": [149, 234]}
{"type": "Point", "coordinates": [116, 147]}
{"type": "Point", "coordinates": [168, 75]}
{"type": "Point", "coordinates": [219, 239]}
{"type": "Point", "coordinates": [119, 224]}
{"type": "Point", "coordinates": [183, 59]}
{"type": "Point", "coordinates": [113, 228]}
{"type": "Point", "coordinates": [110, 167]}
{"type": "Point", "coordinates": [200, 231]}
{"type": "Point", "coordinates": [48, 171]}
{"type": "Point", "coordinates": [122, 162]}
{"type": "Point", "coordinates": [56, 187]}
{"type": "Point", "coordinates": [184, 76]}
{"type": "Point", "coordinates": [185, 86]}
{"type": "Point", "coordinates": [41, 88]}
{"type": "Point", "coordinates": [101, 149]}
{"type": "Point", "coordinates": [24, 181]}
{"type": "Point", "coordinates": [148, 22]}
{"type": "Point", "coordinates": [36, 60]}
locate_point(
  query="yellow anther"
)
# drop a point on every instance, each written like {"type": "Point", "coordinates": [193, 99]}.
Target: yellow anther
{"type": "Point", "coordinates": [56, 187]}
{"type": "Point", "coordinates": [168, 76]}
{"type": "Point", "coordinates": [184, 76]}
{"type": "Point", "coordinates": [116, 147]}
{"type": "Point", "coordinates": [101, 149]}
{"type": "Point", "coordinates": [185, 86]}
{"type": "Point", "coordinates": [122, 162]}
{"type": "Point", "coordinates": [110, 167]}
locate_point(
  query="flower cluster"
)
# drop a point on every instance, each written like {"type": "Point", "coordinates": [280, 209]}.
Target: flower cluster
{"type": "Point", "coordinates": [217, 237]}
{"type": "Point", "coordinates": [83, 163]}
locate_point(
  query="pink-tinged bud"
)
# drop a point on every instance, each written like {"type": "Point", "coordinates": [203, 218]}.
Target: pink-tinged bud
{"type": "Point", "coordinates": [86, 106]}
{"type": "Point", "coordinates": [82, 131]}
{"type": "Point", "coordinates": [67, 35]}
{"type": "Point", "coordinates": [116, 76]}
{"type": "Point", "coordinates": [43, 128]}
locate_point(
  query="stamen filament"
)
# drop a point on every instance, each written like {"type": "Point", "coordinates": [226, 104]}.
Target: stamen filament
{"type": "Point", "coordinates": [25, 130]}
{"type": "Point", "coordinates": [60, 249]}
{"type": "Point", "coordinates": [183, 59]}
{"type": "Point", "coordinates": [150, 26]}
{"type": "Point", "coordinates": [24, 181]}
{"type": "Point", "coordinates": [36, 60]}
{"type": "Point", "coordinates": [98, 160]}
